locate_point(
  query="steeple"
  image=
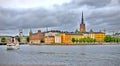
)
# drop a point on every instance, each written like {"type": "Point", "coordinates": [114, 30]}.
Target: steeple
{"type": "Point", "coordinates": [82, 19]}
{"type": "Point", "coordinates": [82, 25]}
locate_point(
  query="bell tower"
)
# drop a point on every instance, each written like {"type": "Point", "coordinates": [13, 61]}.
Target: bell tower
{"type": "Point", "coordinates": [82, 25]}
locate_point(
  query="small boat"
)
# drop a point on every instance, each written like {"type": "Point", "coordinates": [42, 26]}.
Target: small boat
{"type": "Point", "coordinates": [13, 44]}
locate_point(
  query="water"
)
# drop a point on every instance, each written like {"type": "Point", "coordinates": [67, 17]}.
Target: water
{"type": "Point", "coordinates": [78, 55]}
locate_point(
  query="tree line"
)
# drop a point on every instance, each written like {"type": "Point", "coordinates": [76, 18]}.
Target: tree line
{"type": "Point", "coordinates": [112, 39]}
{"type": "Point", "coordinates": [87, 39]}
{"type": "Point", "coordinates": [3, 39]}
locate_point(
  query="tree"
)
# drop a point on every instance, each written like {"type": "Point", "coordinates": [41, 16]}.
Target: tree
{"type": "Point", "coordinates": [79, 32]}
{"type": "Point", "coordinates": [42, 41]}
{"type": "Point", "coordinates": [18, 39]}
{"type": "Point", "coordinates": [87, 39]}
{"type": "Point", "coordinates": [111, 39]}
{"type": "Point", "coordinates": [76, 40]}
{"type": "Point", "coordinates": [3, 39]}
{"type": "Point", "coordinates": [91, 31]}
{"type": "Point", "coordinates": [80, 40]}
{"type": "Point", "coordinates": [76, 31]}
{"type": "Point", "coordinates": [94, 40]}
{"type": "Point", "coordinates": [28, 38]}
{"type": "Point", "coordinates": [107, 39]}
{"type": "Point", "coordinates": [73, 40]}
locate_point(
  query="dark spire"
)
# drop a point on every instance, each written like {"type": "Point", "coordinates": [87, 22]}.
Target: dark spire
{"type": "Point", "coordinates": [82, 20]}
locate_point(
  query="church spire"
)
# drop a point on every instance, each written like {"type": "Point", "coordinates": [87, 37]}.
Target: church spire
{"type": "Point", "coordinates": [82, 25]}
{"type": "Point", "coordinates": [82, 20]}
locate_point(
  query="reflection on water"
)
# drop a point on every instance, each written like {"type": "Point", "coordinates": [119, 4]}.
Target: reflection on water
{"type": "Point", "coordinates": [79, 55]}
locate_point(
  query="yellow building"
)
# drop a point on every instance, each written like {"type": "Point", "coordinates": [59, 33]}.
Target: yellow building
{"type": "Point", "coordinates": [67, 37]}
{"type": "Point", "coordinates": [99, 36]}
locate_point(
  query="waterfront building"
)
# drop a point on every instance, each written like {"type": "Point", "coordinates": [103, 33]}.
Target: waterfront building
{"type": "Point", "coordinates": [36, 38]}
{"type": "Point", "coordinates": [52, 37]}
{"type": "Point", "coordinates": [49, 39]}
{"type": "Point", "coordinates": [67, 37]}
{"type": "Point", "coordinates": [99, 36]}
{"type": "Point", "coordinates": [58, 37]}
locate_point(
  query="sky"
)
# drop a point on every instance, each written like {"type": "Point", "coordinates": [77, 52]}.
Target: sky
{"type": "Point", "coordinates": [65, 15]}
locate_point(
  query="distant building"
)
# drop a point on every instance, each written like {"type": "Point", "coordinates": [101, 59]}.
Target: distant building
{"type": "Point", "coordinates": [36, 38]}
{"type": "Point", "coordinates": [49, 39]}
{"type": "Point", "coordinates": [67, 37]}
{"type": "Point", "coordinates": [58, 37]}
{"type": "Point", "coordinates": [99, 36]}
{"type": "Point", "coordinates": [52, 37]}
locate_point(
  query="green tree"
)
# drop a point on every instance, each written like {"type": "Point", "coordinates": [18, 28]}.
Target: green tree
{"type": "Point", "coordinates": [73, 40]}
{"type": "Point", "coordinates": [107, 39]}
{"type": "Point", "coordinates": [76, 40]}
{"type": "Point", "coordinates": [88, 39]}
{"type": "Point", "coordinates": [42, 41]}
{"type": "Point", "coordinates": [3, 39]}
{"type": "Point", "coordinates": [111, 39]}
{"type": "Point", "coordinates": [18, 39]}
{"type": "Point", "coordinates": [94, 40]}
{"type": "Point", "coordinates": [91, 31]}
{"type": "Point", "coordinates": [80, 40]}
{"type": "Point", "coordinates": [28, 38]}
{"type": "Point", "coordinates": [79, 32]}
{"type": "Point", "coordinates": [76, 31]}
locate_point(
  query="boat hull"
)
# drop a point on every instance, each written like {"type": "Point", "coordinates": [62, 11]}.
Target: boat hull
{"type": "Point", "coordinates": [12, 46]}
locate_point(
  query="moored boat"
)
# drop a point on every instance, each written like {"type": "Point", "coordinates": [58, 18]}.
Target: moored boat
{"type": "Point", "coordinates": [12, 44]}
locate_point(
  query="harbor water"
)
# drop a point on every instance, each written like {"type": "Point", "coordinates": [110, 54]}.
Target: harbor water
{"type": "Point", "coordinates": [61, 55]}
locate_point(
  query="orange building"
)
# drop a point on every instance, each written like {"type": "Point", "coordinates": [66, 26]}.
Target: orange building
{"type": "Point", "coordinates": [67, 37]}
{"type": "Point", "coordinates": [99, 36]}
{"type": "Point", "coordinates": [35, 38]}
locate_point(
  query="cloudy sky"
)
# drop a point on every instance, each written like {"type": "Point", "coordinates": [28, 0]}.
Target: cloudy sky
{"type": "Point", "coordinates": [62, 15]}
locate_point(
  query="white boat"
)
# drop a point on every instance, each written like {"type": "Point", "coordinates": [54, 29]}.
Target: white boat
{"type": "Point", "coordinates": [13, 44]}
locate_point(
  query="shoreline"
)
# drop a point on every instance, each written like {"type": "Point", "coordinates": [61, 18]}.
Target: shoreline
{"type": "Point", "coordinates": [78, 44]}
{"type": "Point", "coordinates": [96, 43]}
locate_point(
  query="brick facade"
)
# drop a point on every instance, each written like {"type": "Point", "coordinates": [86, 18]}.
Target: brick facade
{"type": "Point", "coordinates": [36, 37]}
{"type": "Point", "coordinates": [82, 28]}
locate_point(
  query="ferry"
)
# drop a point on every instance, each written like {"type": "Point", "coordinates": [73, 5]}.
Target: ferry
{"type": "Point", "coordinates": [13, 44]}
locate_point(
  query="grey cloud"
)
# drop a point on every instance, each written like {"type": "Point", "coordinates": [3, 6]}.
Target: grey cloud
{"type": "Point", "coordinates": [98, 14]}
{"type": "Point", "coordinates": [92, 3]}
{"type": "Point", "coordinates": [35, 18]}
